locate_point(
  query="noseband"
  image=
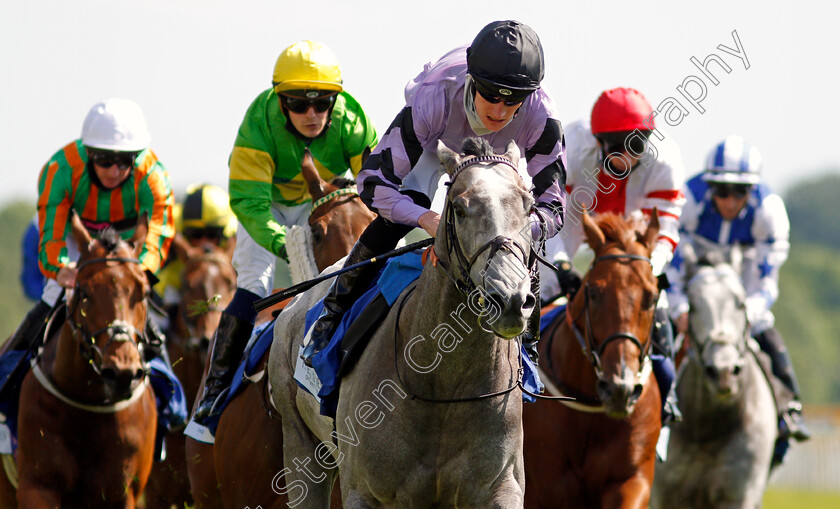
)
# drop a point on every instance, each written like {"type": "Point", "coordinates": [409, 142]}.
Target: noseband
{"type": "Point", "coordinates": [464, 282]}
{"type": "Point", "coordinates": [586, 339]}
{"type": "Point", "coordinates": [118, 331]}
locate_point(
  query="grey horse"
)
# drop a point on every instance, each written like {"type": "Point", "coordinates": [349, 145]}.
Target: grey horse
{"type": "Point", "coordinates": [720, 454]}
{"type": "Point", "coordinates": [412, 428]}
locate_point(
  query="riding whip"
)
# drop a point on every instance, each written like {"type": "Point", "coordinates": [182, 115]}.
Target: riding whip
{"type": "Point", "coordinates": [306, 285]}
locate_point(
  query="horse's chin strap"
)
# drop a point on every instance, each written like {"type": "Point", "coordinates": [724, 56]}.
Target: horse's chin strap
{"type": "Point", "coordinates": [47, 384]}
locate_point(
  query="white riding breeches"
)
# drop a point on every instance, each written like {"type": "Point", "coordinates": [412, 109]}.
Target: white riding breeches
{"type": "Point", "coordinates": [254, 264]}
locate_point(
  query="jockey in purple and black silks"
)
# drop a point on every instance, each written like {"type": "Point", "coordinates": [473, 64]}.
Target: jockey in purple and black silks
{"type": "Point", "coordinates": [490, 89]}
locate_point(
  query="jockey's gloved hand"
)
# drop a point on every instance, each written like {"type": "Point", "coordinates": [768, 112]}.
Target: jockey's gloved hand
{"type": "Point", "coordinates": [568, 279]}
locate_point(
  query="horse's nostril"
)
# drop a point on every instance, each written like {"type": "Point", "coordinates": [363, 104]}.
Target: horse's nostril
{"type": "Point", "coordinates": [530, 302]}
{"type": "Point", "coordinates": [637, 391]}
{"type": "Point", "coordinates": [139, 374]}
{"type": "Point", "coordinates": [711, 373]}
{"type": "Point", "coordinates": [603, 386]}
{"type": "Point", "coordinates": [736, 370]}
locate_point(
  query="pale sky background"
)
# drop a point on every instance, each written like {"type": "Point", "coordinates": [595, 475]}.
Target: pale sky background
{"type": "Point", "coordinates": [195, 65]}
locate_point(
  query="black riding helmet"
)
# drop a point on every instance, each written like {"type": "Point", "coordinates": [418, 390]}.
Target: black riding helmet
{"type": "Point", "coordinates": [506, 60]}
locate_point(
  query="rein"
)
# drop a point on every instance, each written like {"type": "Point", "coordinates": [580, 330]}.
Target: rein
{"type": "Point", "coordinates": [466, 285]}
{"type": "Point", "coordinates": [520, 372]}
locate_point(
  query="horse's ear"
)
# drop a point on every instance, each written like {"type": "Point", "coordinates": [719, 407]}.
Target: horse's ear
{"type": "Point", "coordinates": [512, 152]}
{"type": "Point", "coordinates": [689, 257]}
{"type": "Point", "coordinates": [317, 186]}
{"type": "Point", "coordinates": [594, 236]}
{"type": "Point", "coordinates": [138, 240]}
{"type": "Point", "coordinates": [736, 257]}
{"type": "Point", "coordinates": [448, 157]}
{"type": "Point", "coordinates": [230, 247]}
{"type": "Point", "coordinates": [181, 246]}
{"type": "Point", "coordinates": [652, 231]}
{"type": "Point", "coordinates": [80, 233]}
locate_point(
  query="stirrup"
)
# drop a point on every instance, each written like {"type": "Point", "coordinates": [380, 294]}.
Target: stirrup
{"type": "Point", "coordinates": [792, 425]}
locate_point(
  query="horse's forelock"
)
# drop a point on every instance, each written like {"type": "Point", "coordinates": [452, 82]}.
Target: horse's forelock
{"type": "Point", "coordinates": [342, 183]}
{"type": "Point", "coordinates": [477, 147]}
{"type": "Point", "coordinates": [616, 229]}
{"type": "Point", "coordinates": [109, 239]}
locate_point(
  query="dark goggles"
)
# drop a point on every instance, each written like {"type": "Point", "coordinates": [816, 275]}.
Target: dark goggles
{"type": "Point", "coordinates": [738, 191]}
{"type": "Point", "coordinates": [209, 233]}
{"type": "Point", "coordinates": [492, 96]}
{"type": "Point", "coordinates": [300, 105]}
{"type": "Point", "coordinates": [107, 158]}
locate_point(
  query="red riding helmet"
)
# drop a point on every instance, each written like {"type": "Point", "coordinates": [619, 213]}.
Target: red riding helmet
{"type": "Point", "coordinates": [621, 110]}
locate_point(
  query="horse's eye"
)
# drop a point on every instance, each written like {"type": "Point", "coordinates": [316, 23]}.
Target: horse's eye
{"type": "Point", "coordinates": [317, 233]}
{"type": "Point", "coordinates": [460, 210]}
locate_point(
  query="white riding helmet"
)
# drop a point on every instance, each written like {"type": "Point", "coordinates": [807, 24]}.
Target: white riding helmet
{"type": "Point", "coordinates": [733, 161]}
{"type": "Point", "coordinates": [116, 124]}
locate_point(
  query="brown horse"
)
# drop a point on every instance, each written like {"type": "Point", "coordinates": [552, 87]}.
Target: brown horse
{"type": "Point", "coordinates": [87, 414]}
{"type": "Point", "coordinates": [240, 469]}
{"type": "Point", "coordinates": [600, 450]}
{"type": "Point", "coordinates": [208, 282]}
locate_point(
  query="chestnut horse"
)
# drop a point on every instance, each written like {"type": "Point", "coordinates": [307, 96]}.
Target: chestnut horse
{"type": "Point", "coordinates": [249, 442]}
{"type": "Point", "coordinates": [87, 415]}
{"type": "Point", "coordinates": [208, 282]}
{"type": "Point", "coordinates": [600, 450]}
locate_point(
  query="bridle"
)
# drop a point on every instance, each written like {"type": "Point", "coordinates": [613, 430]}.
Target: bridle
{"type": "Point", "coordinates": [698, 349]}
{"type": "Point", "coordinates": [187, 310]}
{"type": "Point", "coordinates": [463, 280]}
{"type": "Point", "coordinates": [466, 285]}
{"type": "Point", "coordinates": [586, 339]}
{"type": "Point", "coordinates": [117, 331]}
{"type": "Point", "coordinates": [344, 191]}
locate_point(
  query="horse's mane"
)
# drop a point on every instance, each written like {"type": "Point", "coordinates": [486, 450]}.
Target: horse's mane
{"type": "Point", "coordinates": [616, 229]}
{"type": "Point", "coordinates": [477, 147]}
{"type": "Point", "coordinates": [713, 258]}
{"type": "Point", "coordinates": [109, 238]}
{"type": "Point", "coordinates": [342, 183]}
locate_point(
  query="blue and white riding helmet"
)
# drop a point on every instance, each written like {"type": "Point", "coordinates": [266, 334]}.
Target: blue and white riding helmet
{"type": "Point", "coordinates": [733, 161]}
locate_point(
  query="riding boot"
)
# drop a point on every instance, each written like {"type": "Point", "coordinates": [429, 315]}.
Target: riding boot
{"type": "Point", "coordinates": [531, 336]}
{"type": "Point", "coordinates": [231, 339]}
{"type": "Point", "coordinates": [662, 336]}
{"type": "Point", "coordinates": [27, 332]}
{"type": "Point", "coordinates": [791, 424]}
{"type": "Point", "coordinates": [343, 293]}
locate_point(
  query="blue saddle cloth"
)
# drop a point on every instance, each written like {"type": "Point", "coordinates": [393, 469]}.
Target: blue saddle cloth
{"type": "Point", "coordinates": [169, 397]}
{"type": "Point", "coordinates": [395, 277]}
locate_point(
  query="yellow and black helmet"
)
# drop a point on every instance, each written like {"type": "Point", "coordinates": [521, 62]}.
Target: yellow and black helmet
{"type": "Point", "coordinates": [206, 213]}
{"type": "Point", "coordinates": [307, 65]}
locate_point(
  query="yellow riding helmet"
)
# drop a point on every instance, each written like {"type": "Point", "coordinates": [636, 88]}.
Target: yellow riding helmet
{"type": "Point", "coordinates": [307, 65]}
{"type": "Point", "coordinates": [208, 207]}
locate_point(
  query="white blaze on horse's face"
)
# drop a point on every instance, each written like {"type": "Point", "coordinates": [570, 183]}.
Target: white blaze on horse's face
{"type": "Point", "coordinates": [490, 201]}
{"type": "Point", "coordinates": [718, 325]}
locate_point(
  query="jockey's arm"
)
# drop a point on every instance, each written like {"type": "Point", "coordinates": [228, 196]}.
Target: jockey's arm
{"type": "Point", "coordinates": [54, 203]}
{"type": "Point", "coordinates": [250, 189]}
{"type": "Point", "coordinates": [397, 153]}
{"type": "Point", "coordinates": [771, 229]}
{"type": "Point", "coordinates": [157, 200]}
{"type": "Point", "coordinates": [546, 158]}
